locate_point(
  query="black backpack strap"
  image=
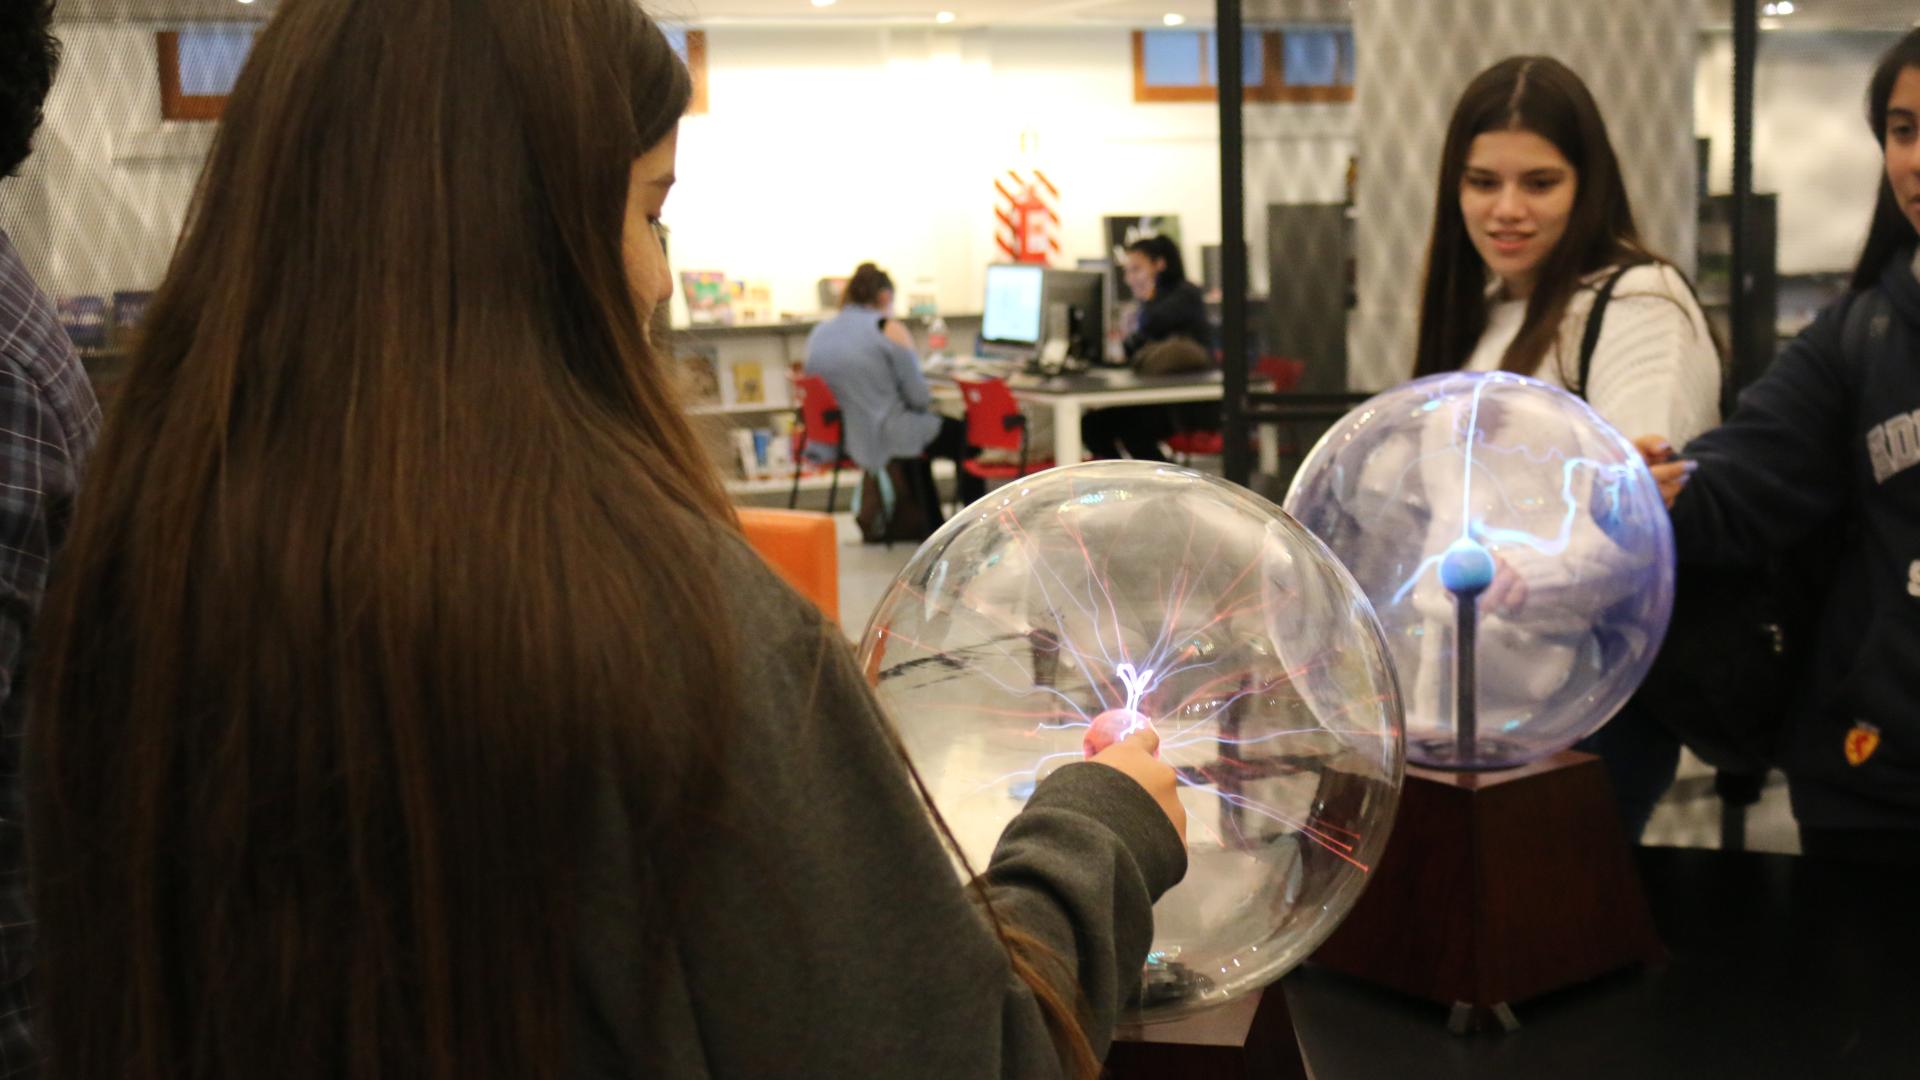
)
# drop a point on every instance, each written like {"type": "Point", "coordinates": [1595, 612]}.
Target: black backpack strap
{"type": "Point", "coordinates": [1592, 337]}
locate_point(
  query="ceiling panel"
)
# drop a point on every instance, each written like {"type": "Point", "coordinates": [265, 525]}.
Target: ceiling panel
{"type": "Point", "coordinates": [1827, 15]}
{"type": "Point", "coordinates": [967, 12]}
{"type": "Point", "coordinates": [1807, 15]}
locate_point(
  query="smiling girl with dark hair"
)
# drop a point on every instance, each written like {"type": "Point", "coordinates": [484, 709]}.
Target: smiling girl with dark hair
{"type": "Point", "coordinates": [1827, 444]}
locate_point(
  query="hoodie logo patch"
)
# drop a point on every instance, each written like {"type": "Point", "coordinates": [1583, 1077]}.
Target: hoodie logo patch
{"type": "Point", "coordinates": [1894, 446]}
{"type": "Point", "coordinates": [1862, 741]}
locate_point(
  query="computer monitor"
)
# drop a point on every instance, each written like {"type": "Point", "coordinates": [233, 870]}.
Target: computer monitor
{"type": "Point", "coordinates": [1015, 306]}
{"type": "Point", "coordinates": [1076, 312]}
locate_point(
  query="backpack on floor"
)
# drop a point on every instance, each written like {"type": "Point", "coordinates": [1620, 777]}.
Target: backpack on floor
{"type": "Point", "coordinates": [889, 505]}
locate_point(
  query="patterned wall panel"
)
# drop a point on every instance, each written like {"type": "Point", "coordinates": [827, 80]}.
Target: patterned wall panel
{"type": "Point", "coordinates": [1293, 154]}
{"type": "Point", "coordinates": [101, 202]}
{"type": "Point", "coordinates": [1415, 56]}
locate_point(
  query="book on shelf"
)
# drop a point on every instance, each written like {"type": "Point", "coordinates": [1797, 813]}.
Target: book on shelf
{"type": "Point", "coordinates": [709, 302]}
{"type": "Point", "coordinates": [751, 302]}
{"type": "Point", "coordinates": [129, 311]}
{"type": "Point", "coordinates": [85, 320]}
{"type": "Point", "coordinates": [763, 453]}
{"type": "Point", "coordinates": [699, 376]}
{"type": "Point", "coordinates": [832, 291]}
{"type": "Point", "coordinates": [749, 382]}
{"type": "Point", "coordinates": [744, 456]}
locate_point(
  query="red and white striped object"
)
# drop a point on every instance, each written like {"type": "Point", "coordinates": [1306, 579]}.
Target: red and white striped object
{"type": "Point", "coordinates": [1028, 229]}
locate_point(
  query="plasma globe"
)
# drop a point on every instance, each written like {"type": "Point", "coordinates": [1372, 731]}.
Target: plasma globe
{"type": "Point", "coordinates": [1515, 549]}
{"type": "Point", "coordinates": [1064, 612]}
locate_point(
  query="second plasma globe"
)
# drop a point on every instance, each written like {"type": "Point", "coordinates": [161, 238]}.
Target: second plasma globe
{"type": "Point", "coordinates": [1516, 550]}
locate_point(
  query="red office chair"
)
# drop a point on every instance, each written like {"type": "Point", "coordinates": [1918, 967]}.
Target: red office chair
{"type": "Point", "coordinates": [819, 423]}
{"type": "Point", "coordinates": [994, 422]}
{"type": "Point", "coordinates": [1282, 372]}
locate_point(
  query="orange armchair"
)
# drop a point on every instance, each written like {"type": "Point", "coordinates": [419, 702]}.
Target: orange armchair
{"type": "Point", "coordinates": [802, 547]}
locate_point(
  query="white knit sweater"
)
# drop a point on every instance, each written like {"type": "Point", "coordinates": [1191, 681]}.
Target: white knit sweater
{"type": "Point", "coordinates": [1655, 370]}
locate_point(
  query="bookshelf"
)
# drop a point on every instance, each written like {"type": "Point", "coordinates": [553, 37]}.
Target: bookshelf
{"type": "Point", "coordinates": [737, 380]}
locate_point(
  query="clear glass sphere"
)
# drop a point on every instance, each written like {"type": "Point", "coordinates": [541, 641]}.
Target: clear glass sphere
{"type": "Point", "coordinates": [1059, 611]}
{"type": "Point", "coordinates": [1513, 544]}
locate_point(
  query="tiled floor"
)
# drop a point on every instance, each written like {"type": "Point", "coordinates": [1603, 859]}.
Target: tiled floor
{"type": "Point", "coordinates": [1689, 817]}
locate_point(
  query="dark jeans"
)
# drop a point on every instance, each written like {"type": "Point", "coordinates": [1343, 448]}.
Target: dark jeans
{"type": "Point", "coordinates": [951, 444]}
{"type": "Point", "coordinates": [1641, 756]}
{"type": "Point", "coordinates": [1140, 429]}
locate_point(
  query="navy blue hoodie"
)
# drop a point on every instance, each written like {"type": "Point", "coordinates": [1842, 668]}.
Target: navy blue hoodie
{"type": "Point", "coordinates": [1176, 310]}
{"type": "Point", "coordinates": [1822, 437]}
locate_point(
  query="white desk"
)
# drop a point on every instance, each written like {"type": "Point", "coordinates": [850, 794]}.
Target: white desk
{"type": "Point", "coordinates": [1070, 396]}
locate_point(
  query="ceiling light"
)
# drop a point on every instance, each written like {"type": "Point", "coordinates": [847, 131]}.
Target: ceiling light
{"type": "Point", "coordinates": [822, 3]}
{"type": "Point", "coordinates": [1173, 20]}
{"type": "Point", "coordinates": [1786, 7]}
{"type": "Point", "coordinates": [1770, 9]}
{"type": "Point", "coordinates": [944, 17]}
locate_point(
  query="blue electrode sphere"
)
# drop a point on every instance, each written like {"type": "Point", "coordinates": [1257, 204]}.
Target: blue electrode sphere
{"type": "Point", "coordinates": [1516, 498]}
{"type": "Point", "coordinates": [1066, 609]}
{"type": "Point", "coordinates": [1466, 567]}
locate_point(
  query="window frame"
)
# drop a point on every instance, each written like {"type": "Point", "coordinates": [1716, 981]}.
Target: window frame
{"type": "Point", "coordinates": [174, 104]}
{"type": "Point", "coordinates": [697, 67]}
{"type": "Point", "coordinates": [1273, 89]}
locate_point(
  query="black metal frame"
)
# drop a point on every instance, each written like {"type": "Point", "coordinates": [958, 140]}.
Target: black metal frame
{"type": "Point", "coordinates": [1740, 283]}
{"type": "Point", "coordinates": [1233, 241]}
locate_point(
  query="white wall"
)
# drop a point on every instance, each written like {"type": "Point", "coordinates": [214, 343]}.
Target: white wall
{"type": "Point", "coordinates": [1811, 145]}
{"type": "Point", "coordinates": [821, 148]}
{"type": "Point", "coordinates": [824, 148]}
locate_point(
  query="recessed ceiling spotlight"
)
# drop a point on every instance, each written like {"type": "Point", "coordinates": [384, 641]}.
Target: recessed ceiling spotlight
{"type": "Point", "coordinates": [1786, 7]}
{"type": "Point", "coordinates": [823, 3]}
{"type": "Point", "coordinates": [945, 17]}
{"type": "Point", "coordinates": [1172, 19]}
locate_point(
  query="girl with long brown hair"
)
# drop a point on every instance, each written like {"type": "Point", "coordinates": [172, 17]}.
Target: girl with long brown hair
{"type": "Point", "coordinates": [1534, 240]}
{"type": "Point", "coordinates": [406, 705]}
{"type": "Point", "coordinates": [1531, 220]}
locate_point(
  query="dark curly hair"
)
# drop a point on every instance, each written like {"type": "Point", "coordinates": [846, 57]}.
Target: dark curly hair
{"type": "Point", "coordinates": [29, 55]}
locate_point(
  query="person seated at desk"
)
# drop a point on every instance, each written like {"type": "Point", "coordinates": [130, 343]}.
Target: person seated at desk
{"type": "Point", "coordinates": [1172, 336]}
{"type": "Point", "coordinates": [867, 359]}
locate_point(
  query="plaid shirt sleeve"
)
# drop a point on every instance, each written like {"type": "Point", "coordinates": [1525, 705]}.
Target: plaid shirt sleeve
{"type": "Point", "coordinates": [48, 421]}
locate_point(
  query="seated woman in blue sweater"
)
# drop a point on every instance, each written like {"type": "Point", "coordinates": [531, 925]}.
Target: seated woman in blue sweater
{"type": "Point", "coordinates": [867, 358]}
{"type": "Point", "coordinates": [1173, 336]}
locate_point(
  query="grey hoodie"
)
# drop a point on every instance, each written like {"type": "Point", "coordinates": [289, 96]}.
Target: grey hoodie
{"type": "Point", "coordinates": [827, 934]}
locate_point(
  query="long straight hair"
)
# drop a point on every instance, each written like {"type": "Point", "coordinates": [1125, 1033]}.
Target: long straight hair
{"type": "Point", "coordinates": [392, 544]}
{"type": "Point", "coordinates": [1891, 231]}
{"type": "Point", "coordinates": [396, 543]}
{"type": "Point", "coordinates": [1536, 94]}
